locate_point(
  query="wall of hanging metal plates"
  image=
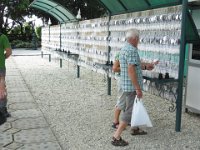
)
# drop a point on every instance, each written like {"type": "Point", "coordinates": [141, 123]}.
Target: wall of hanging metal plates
{"type": "Point", "coordinates": [97, 41]}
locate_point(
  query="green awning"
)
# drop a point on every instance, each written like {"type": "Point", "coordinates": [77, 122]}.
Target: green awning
{"type": "Point", "coordinates": [124, 6]}
{"type": "Point", "coordinates": [192, 35]}
{"type": "Point", "coordinates": [54, 9]}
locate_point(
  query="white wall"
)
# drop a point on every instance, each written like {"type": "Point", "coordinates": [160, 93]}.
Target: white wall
{"type": "Point", "coordinates": [193, 88]}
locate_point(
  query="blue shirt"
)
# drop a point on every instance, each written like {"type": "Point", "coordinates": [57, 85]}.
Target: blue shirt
{"type": "Point", "coordinates": [129, 55]}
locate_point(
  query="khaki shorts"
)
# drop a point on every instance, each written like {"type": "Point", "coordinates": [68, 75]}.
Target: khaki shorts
{"type": "Point", "coordinates": [120, 97]}
{"type": "Point", "coordinates": [121, 103]}
{"type": "Point", "coordinates": [126, 103]}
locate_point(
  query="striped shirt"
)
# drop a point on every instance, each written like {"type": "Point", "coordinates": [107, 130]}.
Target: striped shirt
{"type": "Point", "coordinates": [129, 55]}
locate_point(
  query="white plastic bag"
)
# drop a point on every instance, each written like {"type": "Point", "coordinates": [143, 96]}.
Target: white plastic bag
{"type": "Point", "coordinates": [140, 116]}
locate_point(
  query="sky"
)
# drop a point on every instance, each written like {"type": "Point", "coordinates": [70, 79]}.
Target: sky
{"type": "Point", "coordinates": [38, 21]}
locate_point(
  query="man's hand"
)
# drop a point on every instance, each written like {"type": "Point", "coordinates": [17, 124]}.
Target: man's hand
{"type": "Point", "coordinates": [156, 62]}
{"type": "Point", "coordinates": [116, 66]}
{"type": "Point", "coordinates": [150, 66]}
{"type": "Point", "coordinates": [139, 93]}
{"type": "Point", "coordinates": [8, 52]}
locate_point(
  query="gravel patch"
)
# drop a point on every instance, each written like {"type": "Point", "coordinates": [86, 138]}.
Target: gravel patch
{"type": "Point", "coordinates": [80, 112]}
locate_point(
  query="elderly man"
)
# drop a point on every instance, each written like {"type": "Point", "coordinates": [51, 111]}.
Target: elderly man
{"type": "Point", "coordinates": [5, 52]}
{"type": "Point", "coordinates": [131, 83]}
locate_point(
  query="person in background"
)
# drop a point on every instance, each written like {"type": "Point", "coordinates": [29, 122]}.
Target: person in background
{"type": "Point", "coordinates": [117, 110]}
{"type": "Point", "coordinates": [5, 52]}
{"type": "Point", "coordinates": [120, 103]}
{"type": "Point", "coordinates": [131, 83]}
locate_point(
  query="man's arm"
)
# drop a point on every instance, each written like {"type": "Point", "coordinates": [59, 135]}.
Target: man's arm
{"type": "Point", "coordinates": [148, 66]}
{"type": "Point", "coordinates": [133, 76]}
{"type": "Point", "coordinates": [8, 52]}
{"type": "Point", "coordinates": [116, 66]}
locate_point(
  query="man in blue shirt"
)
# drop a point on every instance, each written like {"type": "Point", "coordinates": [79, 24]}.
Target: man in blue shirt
{"type": "Point", "coordinates": [130, 82]}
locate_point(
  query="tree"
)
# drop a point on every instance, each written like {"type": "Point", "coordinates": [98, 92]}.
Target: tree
{"type": "Point", "coordinates": [12, 12]}
{"type": "Point", "coordinates": [90, 9]}
{"type": "Point", "coordinates": [38, 31]}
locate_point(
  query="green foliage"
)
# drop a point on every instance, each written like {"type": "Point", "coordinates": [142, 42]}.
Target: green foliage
{"type": "Point", "coordinates": [21, 44]}
{"type": "Point", "coordinates": [16, 30]}
{"type": "Point", "coordinates": [89, 8]}
{"type": "Point", "coordinates": [15, 42]}
{"type": "Point", "coordinates": [24, 45]}
{"type": "Point", "coordinates": [38, 31]}
{"type": "Point", "coordinates": [18, 9]}
{"type": "Point", "coordinates": [14, 10]}
{"type": "Point", "coordinates": [27, 28]}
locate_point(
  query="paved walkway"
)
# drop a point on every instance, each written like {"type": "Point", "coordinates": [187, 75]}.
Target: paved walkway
{"type": "Point", "coordinates": [27, 129]}
{"type": "Point", "coordinates": [78, 111]}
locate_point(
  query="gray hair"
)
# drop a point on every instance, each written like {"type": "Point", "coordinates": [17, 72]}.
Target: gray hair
{"type": "Point", "coordinates": [133, 33]}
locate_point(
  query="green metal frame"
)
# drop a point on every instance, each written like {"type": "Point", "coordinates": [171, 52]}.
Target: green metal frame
{"type": "Point", "coordinates": [189, 32]}
{"type": "Point", "coordinates": [109, 50]}
{"type": "Point", "coordinates": [125, 6]}
{"type": "Point", "coordinates": [181, 66]}
{"type": "Point", "coordinates": [192, 35]}
{"type": "Point", "coordinates": [54, 9]}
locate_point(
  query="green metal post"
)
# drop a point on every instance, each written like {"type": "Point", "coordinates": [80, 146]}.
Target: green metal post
{"type": "Point", "coordinates": [109, 84]}
{"type": "Point", "coordinates": [34, 40]}
{"type": "Point", "coordinates": [109, 50]}
{"type": "Point", "coordinates": [78, 71]}
{"type": "Point", "coordinates": [60, 63]}
{"type": "Point", "coordinates": [181, 66]}
{"type": "Point", "coordinates": [49, 57]}
{"type": "Point", "coordinates": [34, 37]}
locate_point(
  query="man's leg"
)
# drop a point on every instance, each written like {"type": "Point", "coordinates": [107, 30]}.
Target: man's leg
{"type": "Point", "coordinates": [3, 107]}
{"type": "Point", "coordinates": [119, 130]}
{"type": "Point", "coordinates": [3, 101]}
{"type": "Point", "coordinates": [117, 140]}
{"type": "Point", "coordinates": [128, 99]}
{"type": "Point", "coordinates": [116, 114]}
{"type": "Point", "coordinates": [119, 106]}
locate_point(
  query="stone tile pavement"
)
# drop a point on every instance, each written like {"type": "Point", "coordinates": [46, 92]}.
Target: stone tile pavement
{"type": "Point", "coordinates": [27, 128]}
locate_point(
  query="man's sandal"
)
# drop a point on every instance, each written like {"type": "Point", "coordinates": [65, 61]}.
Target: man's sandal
{"type": "Point", "coordinates": [138, 131]}
{"type": "Point", "coordinates": [119, 142]}
{"type": "Point", "coordinates": [115, 125]}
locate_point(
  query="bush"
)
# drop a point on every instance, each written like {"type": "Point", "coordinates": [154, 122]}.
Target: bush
{"type": "Point", "coordinates": [15, 42]}
{"type": "Point", "coordinates": [38, 31]}
{"type": "Point", "coordinates": [21, 44]}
